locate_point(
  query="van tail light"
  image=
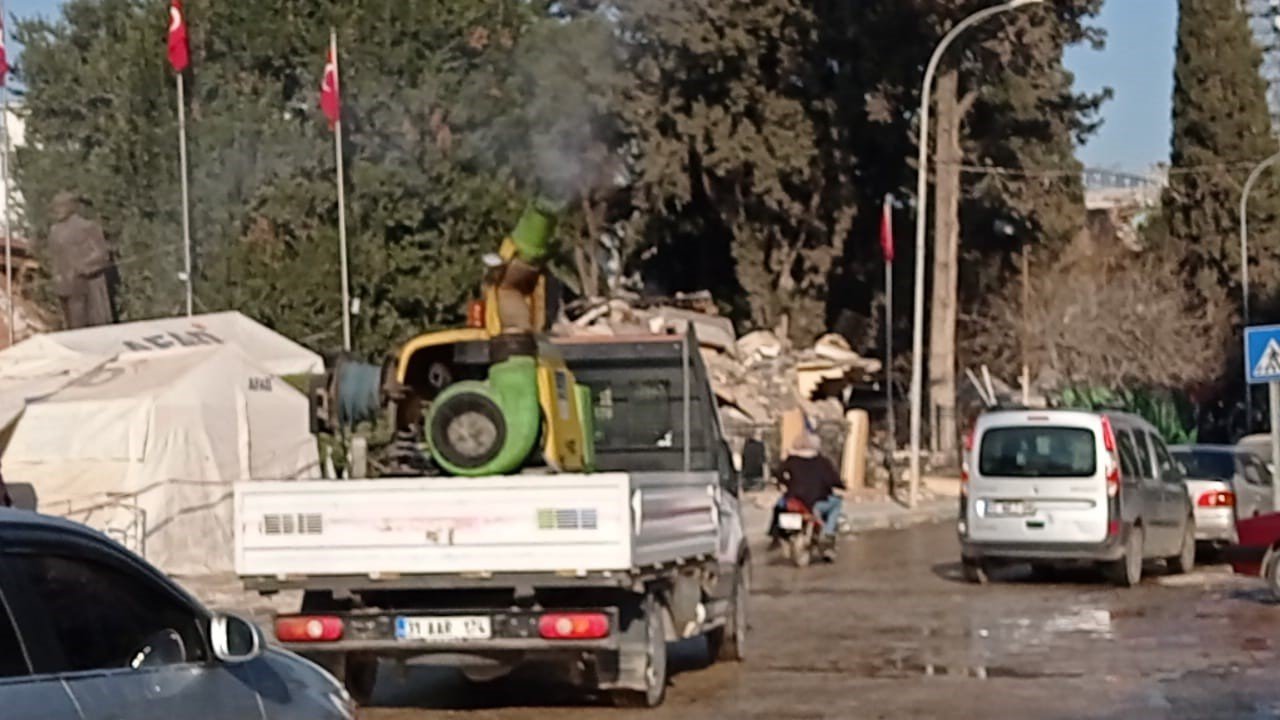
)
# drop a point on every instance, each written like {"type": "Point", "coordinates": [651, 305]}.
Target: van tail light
{"type": "Point", "coordinates": [1113, 481]}
{"type": "Point", "coordinates": [309, 628]}
{"type": "Point", "coordinates": [1216, 499]}
{"type": "Point", "coordinates": [573, 626]}
{"type": "Point", "coordinates": [964, 478]}
{"type": "Point", "coordinates": [1113, 528]}
{"type": "Point", "coordinates": [968, 441]}
{"type": "Point", "coordinates": [1108, 435]}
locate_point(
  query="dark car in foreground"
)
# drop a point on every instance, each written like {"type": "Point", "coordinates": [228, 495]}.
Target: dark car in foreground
{"type": "Point", "coordinates": [89, 631]}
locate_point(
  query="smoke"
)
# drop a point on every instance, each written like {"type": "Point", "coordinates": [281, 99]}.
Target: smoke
{"type": "Point", "coordinates": [570, 73]}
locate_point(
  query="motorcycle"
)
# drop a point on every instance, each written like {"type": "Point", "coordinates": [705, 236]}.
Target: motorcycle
{"type": "Point", "coordinates": [801, 534]}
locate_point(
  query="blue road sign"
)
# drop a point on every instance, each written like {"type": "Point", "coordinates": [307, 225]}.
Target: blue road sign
{"type": "Point", "coordinates": [1262, 354]}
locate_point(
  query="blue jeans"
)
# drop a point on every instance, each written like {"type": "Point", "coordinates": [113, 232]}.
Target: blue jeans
{"type": "Point", "coordinates": [828, 509]}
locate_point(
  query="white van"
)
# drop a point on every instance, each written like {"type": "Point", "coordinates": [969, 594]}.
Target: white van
{"type": "Point", "coordinates": [1050, 487]}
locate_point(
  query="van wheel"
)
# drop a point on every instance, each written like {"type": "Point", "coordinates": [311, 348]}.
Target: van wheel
{"type": "Point", "coordinates": [654, 617]}
{"type": "Point", "coordinates": [974, 571]}
{"type": "Point", "coordinates": [1185, 561]}
{"type": "Point", "coordinates": [1127, 571]}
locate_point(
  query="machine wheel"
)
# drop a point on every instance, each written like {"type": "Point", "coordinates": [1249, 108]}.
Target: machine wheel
{"type": "Point", "coordinates": [467, 429]}
{"type": "Point", "coordinates": [1127, 571]}
{"type": "Point", "coordinates": [654, 617]}
{"type": "Point", "coordinates": [728, 643]}
{"type": "Point", "coordinates": [1185, 561]}
{"type": "Point", "coordinates": [973, 571]}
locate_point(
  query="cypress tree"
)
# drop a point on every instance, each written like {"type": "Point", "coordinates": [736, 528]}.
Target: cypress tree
{"type": "Point", "coordinates": [1221, 129]}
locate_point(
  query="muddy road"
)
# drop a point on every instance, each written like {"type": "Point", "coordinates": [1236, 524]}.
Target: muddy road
{"type": "Point", "coordinates": [890, 631]}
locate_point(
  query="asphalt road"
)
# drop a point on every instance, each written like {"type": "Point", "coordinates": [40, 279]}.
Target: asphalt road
{"type": "Point", "coordinates": [890, 631]}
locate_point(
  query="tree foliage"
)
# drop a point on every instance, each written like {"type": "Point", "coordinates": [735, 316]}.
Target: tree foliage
{"type": "Point", "coordinates": [737, 146]}
{"type": "Point", "coordinates": [1221, 128]}
{"type": "Point", "coordinates": [1106, 317]}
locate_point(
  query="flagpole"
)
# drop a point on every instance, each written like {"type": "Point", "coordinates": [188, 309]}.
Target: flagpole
{"type": "Point", "coordinates": [888, 353]}
{"type": "Point", "coordinates": [4, 178]}
{"type": "Point", "coordinates": [186, 202]}
{"type": "Point", "coordinates": [342, 202]}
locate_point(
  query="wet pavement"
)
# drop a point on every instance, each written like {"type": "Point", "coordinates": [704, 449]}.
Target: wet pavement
{"type": "Point", "coordinates": [890, 631]}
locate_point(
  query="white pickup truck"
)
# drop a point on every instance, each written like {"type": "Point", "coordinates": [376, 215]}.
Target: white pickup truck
{"type": "Point", "coordinates": [590, 573]}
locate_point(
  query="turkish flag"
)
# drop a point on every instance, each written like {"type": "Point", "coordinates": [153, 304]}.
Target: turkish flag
{"type": "Point", "coordinates": [4, 57]}
{"type": "Point", "coordinates": [179, 51]}
{"type": "Point", "coordinates": [886, 229]}
{"type": "Point", "coordinates": [330, 97]}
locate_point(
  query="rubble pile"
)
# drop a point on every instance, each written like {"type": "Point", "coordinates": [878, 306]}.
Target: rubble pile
{"type": "Point", "coordinates": [757, 377]}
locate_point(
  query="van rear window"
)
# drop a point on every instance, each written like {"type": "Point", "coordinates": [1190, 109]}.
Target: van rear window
{"type": "Point", "coordinates": [1038, 452]}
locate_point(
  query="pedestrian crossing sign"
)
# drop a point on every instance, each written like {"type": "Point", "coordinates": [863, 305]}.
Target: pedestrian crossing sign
{"type": "Point", "coordinates": [1262, 354]}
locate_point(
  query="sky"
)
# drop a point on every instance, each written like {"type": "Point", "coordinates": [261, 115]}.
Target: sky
{"type": "Point", "coordinates": [1137, 65]}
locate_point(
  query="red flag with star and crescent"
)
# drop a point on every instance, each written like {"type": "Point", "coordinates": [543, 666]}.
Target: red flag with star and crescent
{"type": "Point", "coordinates": [4, 56]}
{"type": "Point", "coordinates": [330, 95]}
{"type": "Point", "coordinates": [179, 49]}
{"type": "Point", "coordinates": [886, 229]}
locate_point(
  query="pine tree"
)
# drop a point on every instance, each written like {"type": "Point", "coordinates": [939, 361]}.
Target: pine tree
{"type": "Point", "coordinates": [1221, 129]}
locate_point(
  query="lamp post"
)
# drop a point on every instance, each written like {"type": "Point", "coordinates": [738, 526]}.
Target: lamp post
{"type": "Point", "coordinates": [1244, 268]}
{"type": "Point", "coordinates": [922, 196]}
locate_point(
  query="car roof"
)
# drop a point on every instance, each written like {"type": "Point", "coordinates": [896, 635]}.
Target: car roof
{"type": "Point", "coordinates": [10, 518]}
{"type": "Point", "coordinates": [1209, 447]}
{"type": "Point", "coordinates": [1117, 417]}
{"type": "Point", "coordinates": [25, 518]}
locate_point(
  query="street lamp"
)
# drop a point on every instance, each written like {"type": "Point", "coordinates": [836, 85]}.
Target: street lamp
{"type": "Point", "coordinates": [1244, 268]}
{"type": "Point", "coordinates": [922, 193]}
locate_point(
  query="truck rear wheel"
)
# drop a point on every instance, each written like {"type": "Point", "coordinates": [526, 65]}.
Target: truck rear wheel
{"type": "Point", "coordinates": [361, 677]}
{"type": "Point", "coordinates": [357, 673]}
{"type": "Point", "coordinates": [728, 643]}
{"type": "Point", "coordinates": [654, 619]}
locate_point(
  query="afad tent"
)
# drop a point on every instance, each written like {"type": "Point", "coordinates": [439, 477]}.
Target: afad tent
{"type": "Point", "coordinates": [146, 447]}
{"type": "Point", "coordinates": [44, 363]}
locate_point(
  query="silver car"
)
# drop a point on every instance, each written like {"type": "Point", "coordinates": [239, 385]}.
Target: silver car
{"type": "Point", "coordinates": [89, 631]}
{"type": "Point", "coordinates": [1226, 484]}
{"type": "Point", "coordinates": [1050, 487]}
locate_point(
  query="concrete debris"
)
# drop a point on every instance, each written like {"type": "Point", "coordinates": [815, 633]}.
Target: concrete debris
{"type": "Point", "coordinates": [757, 377]}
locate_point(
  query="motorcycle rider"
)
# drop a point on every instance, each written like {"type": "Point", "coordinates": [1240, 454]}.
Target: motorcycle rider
{"type": "Point", "coordinates": [812, 479]}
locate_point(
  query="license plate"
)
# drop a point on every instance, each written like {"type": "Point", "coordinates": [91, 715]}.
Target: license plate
{"type": "Point", "coordinates": [1009, 508]}
{"type": "Point", "coordinates": [444, 629]}
{"type": "Point", "coordinates": [791, 521]}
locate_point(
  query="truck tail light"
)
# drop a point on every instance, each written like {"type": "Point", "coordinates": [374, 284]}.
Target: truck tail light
{"type": "Point", "coordinates": [309, 628]}
{"type": "Point", "coordinates": [1216, 499]}
{"type": "Point", "coordinates": [573, 626]}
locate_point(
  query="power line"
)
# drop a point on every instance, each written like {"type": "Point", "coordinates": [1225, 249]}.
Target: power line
{"type": "Point", "coordinates": [1063, 171]}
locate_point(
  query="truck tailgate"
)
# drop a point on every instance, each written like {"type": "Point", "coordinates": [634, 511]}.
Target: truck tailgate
{"type": "Point", "coordinates": [447, 525]}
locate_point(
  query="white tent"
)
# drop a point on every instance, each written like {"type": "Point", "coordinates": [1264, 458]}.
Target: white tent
{"type": "Point", "coordinates": [146, 447]}
{"type": "Point", "coordinates": [273, 351]}
{"type": "Point", "coordinates": [44, 363]}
